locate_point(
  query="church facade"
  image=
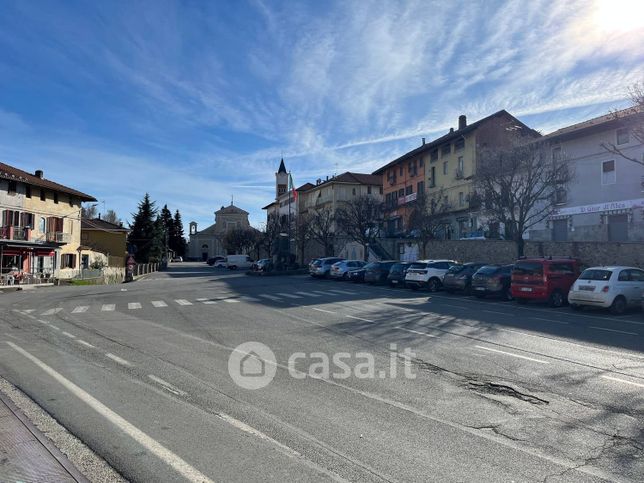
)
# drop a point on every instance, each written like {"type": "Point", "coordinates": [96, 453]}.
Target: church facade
{"type": "Point", "coordinates": [209, 242]}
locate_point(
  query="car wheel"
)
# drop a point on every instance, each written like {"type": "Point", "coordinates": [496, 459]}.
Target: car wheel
{"type": "Point", "coordinates": [618, 306]}
{"type": "Point", "coordinates": [556, 299]}
{"type": "Point", "coordinates": [522, 301]}
{"type": "Point", "coordinates": [576, 307]}
{"type": "Point", "coordinates": [344, 276]}
{"type": "Point", "coordinates": [433, 285]}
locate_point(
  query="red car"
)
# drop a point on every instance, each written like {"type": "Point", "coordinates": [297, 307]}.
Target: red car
{"type": "Point", "coordinates": [544, 279]}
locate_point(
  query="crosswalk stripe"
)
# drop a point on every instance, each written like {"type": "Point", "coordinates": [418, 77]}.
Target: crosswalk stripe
{"type": "Point", "coordinates": [344, 292]}
{"type": "Point", "coordinates": [231, 301]}
{"type": "Point", "coordinates": [270, 297]}
{"type": "Point", "coordinates": [159, 303]}
{"type": "Point", "coordinates": [289, 295]}
{"type": "Point", "coordinates": [201, 300]}
{"type": "Point", "coordinates": [308, 294]}
{"type": "Point", "coordinates": [51, 311]}
{"type": "Point", "coordinates": [324, 292]}
{"type": "Point", "coordinates": [209, 302]}
{"type": "Point", "coordinates": [80, 309]}
{"type": "Point", "coordinates": [183, 302]}
{"type": "Point", "coordinates": [133, 305]}
{"type": "Point", "coordinates": [108, 308]}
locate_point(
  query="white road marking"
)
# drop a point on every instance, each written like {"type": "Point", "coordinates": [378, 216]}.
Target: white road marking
{"type": "Point", "coordinates": [550, 320]}
{"type": "Point", "coordinates": [343, 292]}
{"type": "Point", "coordinates": [270, 297]}
{"type": "Point", "coordinates": [167, 456]}
{"type": "Point", "coordinates": [209, 302]}
{"type": "Point", "coordinates": [415, 332]}
{"type": "Point", "coordinates": [86, 344]}
{"type": "Point", "coordinates": [80, 309]}
{"type": "Point", "coordinates": [108, 308]}
{"type": "Point", "coordinates": [117, 359]}
{"type": "Point", "coordinates": [308, 294]}
{"type": "Point", "coordinates": [133, 305]}
{"type": "Point", "coordinates": [623, 380]}
{"type": "Point", "coordinates": [52, 311]}
{"type": "Point", "coordinates": [322, 310]}
{"type": "Point", "coordinates": [231, 301]}
{"type": "Point", "coordinates": [67, 334]}
{"type": "Point", "coordinates": [158, 303]}
{"type": "Point", "coordinates": [201, 299]}
{"type": "Point", "coordinates": [359, 318]}
{"type": "Point", "coordinates": [43, 322]}
{"type": "Point", "coordinates": [166, 385]}
{"type": "Point", "coordinates": [183, 302]}
{"type": "Point", "coordinates": [289, 295]}
{"type": "Point", "coordinates": [494, 312]}
{"type": "Point", "coordinates": [28, 311]}
{"type": "Point", "coordinates": [249, 429]}
{"type": "Point", "coordinates": [245, 298]}
{"type": "Point", "coordinates": [513, 355]}
{"type": "Point", "coordinates": [612, 330]}
{"type": "Point", "coordinates": [54, 327]}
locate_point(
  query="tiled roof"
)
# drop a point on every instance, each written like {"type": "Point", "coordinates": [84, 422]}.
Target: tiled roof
{"type": "Point", "coordinates": [352, 178]}
{"type": "Point", "coordinates": [102, 225]}
{"type": "Point", "coordinates": [231, 209]}
{"type": "Point", "coordinates": [612, 117]}
{"type": "Point", "coordinates": [12, 173]}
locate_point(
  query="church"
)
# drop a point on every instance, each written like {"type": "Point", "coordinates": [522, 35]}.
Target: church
{"type": "Point", "coordinates": [209, 242]}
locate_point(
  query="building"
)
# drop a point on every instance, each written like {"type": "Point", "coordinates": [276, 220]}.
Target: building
{"type": "Point", "coordinates": [286, 203]}
{"type": "Point", "coordinates": [108, 239]}
{"type": "Point", "coordinates": [209, 242]}
{"type": "Point", "coordinates": [41, 225]}
{"type": "Point", "coordinates": [445, 168]}
{"type": "Point", "coordinates": [605, 200]}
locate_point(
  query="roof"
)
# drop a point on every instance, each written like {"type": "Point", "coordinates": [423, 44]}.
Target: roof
{"type": "Point", "coordinates": [282, 168]}
{"type": "Point", "coordinates": [102, 225]}
{"type": "Point", "coordinates": [457, 133]}
{"type": "Point", "coordinates": [231, 209]}
{"type": "Point", "coordinates": [351, 178]}
{"type": "Point", "coordinates": [597, 122]}
{"type": "Point", "coordinates": [12, 173]}
{"type": "Point", "coordinates": [269, 205]}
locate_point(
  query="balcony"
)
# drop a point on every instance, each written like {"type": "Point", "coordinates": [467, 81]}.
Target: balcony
{"type": "Point", "coordinates": [459, 174]}
{"type": "Point", "coordinates": [59, 237]}
{"type": "Point", "coordinates": [403, 200]}
{"type": "Point", "coordinates": [18, 233]}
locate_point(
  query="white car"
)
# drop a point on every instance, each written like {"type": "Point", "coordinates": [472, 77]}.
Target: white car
{"type": "Point", "coordinates": [340, 270]}
{"type": "Point", "coordinates": [236, 262]}
{"type": "Point", "coordinates": [613, 287]}
{"type": "Point", "coordinates": [427, 273]}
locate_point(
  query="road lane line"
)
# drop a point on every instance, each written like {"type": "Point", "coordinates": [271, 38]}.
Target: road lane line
{"type": "Point", "coordinates": [308, 294]}
{"type": "Point", "coordinates": [209, 302]}
{"type": "Point", "coordinates": [415, 332]}
{"type": "Point", "coordinates": [117, 359]}
{"type": "Point", "coordinates": [183, 302]}
{"type": "Point", "coordinates": [167, 385]}
{"type": "Point", "coordinates": [80, 309]}
{"type": "Point", "coordinates": [270, 297]}
{"type": "Point", "coordinates": [288, 295]}
{"type": "Point", "coordinates": [67, 334]}
{"type": "Point", "coordinates": [28, 311]}
{"type": "Point", "coordinates": [511, 354]}
{"type": "Point", "coordinates": [322, 310]}
{"type": "Point", "coordinates": [160, 451]}
{"type": "Point", "coordinates": [623, 380]}
{"type": "Point", "coordinates": [343, 292]}
{"type": "Point", "coordinates": [231, 301]}
{"type": "Point", "coordinates": [108, 308]}
{"type": "Point", "coordinates": [201, 299]}
{"type": "Point", "coordinates": [359, 318]}
{"type": "Point", "coordinates": [51, 311]}
{"type": "Point", "coordinates": [43, 322]}
{"type": "Point", "coordinates": [612, 330]}
{"type": "Point", "coordinates": [159, 303]}
{"type": "Point", "coordinates": [495, 312]}
{"type": "Point", "coordinates": [54, 327]}
{"type": "Point", "coordinates": [550, 320]}
{"type": "Point", "coordinates": [86, 344]}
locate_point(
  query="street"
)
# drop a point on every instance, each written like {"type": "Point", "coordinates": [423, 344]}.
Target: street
{"type": "Point", "coordinates": [486, 391]}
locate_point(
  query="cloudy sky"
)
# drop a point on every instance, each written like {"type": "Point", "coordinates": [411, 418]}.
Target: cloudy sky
{"type": "Point", "coordinates": [195, 101]}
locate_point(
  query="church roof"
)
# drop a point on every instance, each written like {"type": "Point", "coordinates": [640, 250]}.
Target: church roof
{"type": "Point", "coordinates": [230, 209]}
{"type": "Point", "coordinates": [282, 168]}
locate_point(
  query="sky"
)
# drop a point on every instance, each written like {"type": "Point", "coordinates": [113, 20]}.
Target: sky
{"type": "Point", "coordinates": [195, 102]}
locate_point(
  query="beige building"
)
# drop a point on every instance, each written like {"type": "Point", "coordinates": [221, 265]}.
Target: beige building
{"type": "Point", "coordinates": [209, 242]}
{"type": "Point", "coordinates": [41, 225]}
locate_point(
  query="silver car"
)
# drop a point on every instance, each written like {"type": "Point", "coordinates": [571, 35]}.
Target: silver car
{"type": "Point", "coordinates": [615, 287]}
{"type": "Point", "coordinates": [322, 266]}
{"type": "Point", "coordinates": [340, 270]}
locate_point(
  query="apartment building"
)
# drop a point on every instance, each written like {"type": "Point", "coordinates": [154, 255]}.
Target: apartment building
{"type": "Point", "coordinates": [40, 231]}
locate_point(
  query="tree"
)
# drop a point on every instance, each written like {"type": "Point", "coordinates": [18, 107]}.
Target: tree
{"type": "Point", "coordinates": [321, 227]}
{"type": "Point", "coordinates": [519, 186]}
{"type": "Point", "coordinates": [177, 240]}
{"type": "Point", "coordinates": [427, 219]}
{"type": "Point", "coordinates": [145, 231]}
{"type": "Point", "coordinates": [112, 217]}
{"type": "Point", "coordinates": [359, 219]}
{"type": "Point", "coordinates": [633, 120]}
{"type": "Point", "coordinates": [302, 234]}
{"type": "Point", "coordinates": [240, 240]}
{"type": "Point", "coordinates": [88, 212]}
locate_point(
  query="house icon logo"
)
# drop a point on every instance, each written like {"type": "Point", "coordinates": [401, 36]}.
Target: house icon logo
{"type": "Point", "coordinates": [252, 365]}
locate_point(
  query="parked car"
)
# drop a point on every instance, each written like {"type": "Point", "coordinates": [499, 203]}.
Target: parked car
{"type": "Point", "coordinates": [236, 262]}
{"type": "Point", "coordinates": [617, 288]}
{"type": "Point", "coordinates": [493, 280]}
{"type": "Point", "coordinates": [177, 259]}
{"type": "Point", "coordinates": [340, 270]}
{"type": "Point", "coordinates": [213, 260]}
{"type": "Point", "coordinates": [377, 272]}
{"type": "Point", "coordinates": [262, 265]}
{"type": "Point", "coordinates": [459, 277]}
{"type": "Point", "coordinates": [397, 273]}
{"type": "Point", "coordinates": [427, 273]}
{"type": "Point", "coordinates": [322, 266]}
{"type": "Point", "coordinates": [544, 279]}
{"type": "Point", "coordinates": [312, 263]}
{"type": "Point", "coordinates": [357, 276]}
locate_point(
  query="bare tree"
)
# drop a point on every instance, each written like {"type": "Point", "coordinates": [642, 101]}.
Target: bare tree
{"type": "Point", "coordinates": [302, 234]}
{"type": "Point", "coordinates": [322, 229]}
{"type": "Point", "coordinates": [88, 212]}
{"type": "Point", "coordinates": [272, 229]}
{"type": "Point", "coordinates": [240, 240]}
{"type": "Point", "coordinates": [427, 219]}
{"type": "Point", "coordinates": [633, 120]}
{"type": "Point", "coordinates": [519, 186]}
{"type": "Point", "coordinates": [360, 220]}
{"type": "Point", "coordinates": [112, 217]}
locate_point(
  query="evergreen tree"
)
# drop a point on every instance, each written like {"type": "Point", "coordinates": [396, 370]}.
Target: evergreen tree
{"type": "Point", "coordinates": [177, 240]}
{"type": "Point", "coordinates": [144, 232]}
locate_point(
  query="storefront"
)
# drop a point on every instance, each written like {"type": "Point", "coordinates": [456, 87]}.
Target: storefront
{"type": "Point", "coordinates": [24, 262]}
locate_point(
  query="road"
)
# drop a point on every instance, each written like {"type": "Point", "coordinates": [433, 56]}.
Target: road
{"type": "Point", "coordinates": [492, 390]}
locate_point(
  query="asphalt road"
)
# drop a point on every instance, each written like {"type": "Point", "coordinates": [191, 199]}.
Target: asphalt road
{"type": "Point", "coordinates": [500, 392]}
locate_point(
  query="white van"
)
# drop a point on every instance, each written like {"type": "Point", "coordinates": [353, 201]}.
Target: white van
{"type": "Point", "coordinates": [235, 262]}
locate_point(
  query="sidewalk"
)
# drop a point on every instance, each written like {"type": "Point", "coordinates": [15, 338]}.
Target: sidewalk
{"type": "Point", "coordinates": [26, 455]}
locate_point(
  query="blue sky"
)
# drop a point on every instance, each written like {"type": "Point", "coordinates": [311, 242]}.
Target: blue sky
{"type": "Point", "coordinates": [194, 101]}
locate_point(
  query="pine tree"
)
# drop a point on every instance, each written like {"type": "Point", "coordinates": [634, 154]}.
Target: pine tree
{"type": "Point", "coordinates": [144, 231]}
{"type": "Point", "coordinates": [177, 240]}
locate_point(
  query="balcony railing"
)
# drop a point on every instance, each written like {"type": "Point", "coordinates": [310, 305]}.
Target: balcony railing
{"type": "Point", "coordinates": [59, 237]}
{"type": "Point", "coordinates": [14, 233]}
{"type": "Point", "coordinates": [403, 200]}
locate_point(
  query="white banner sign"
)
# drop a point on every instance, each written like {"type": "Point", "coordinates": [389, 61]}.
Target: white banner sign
{"type": "Point", "coordinates": [600, 207]}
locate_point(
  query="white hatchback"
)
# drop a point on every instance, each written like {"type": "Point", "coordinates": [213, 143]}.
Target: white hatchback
{"type": "Point", "coordinates": [427, 273]}
{"type": "Point", "coordinates": [613, 287]}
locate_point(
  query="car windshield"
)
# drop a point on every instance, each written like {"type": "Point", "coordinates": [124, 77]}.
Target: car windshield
{"type": "Point", "coordinates": [595, 274]}
{"type": "Point", "coordinates": [488, 269]}
{"type": "Point", "coordinates": [456, 268]}
{"type": "Point", "coordinates": [528, 268]}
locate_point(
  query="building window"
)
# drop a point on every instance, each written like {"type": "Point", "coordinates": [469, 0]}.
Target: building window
{"type": "Point", "coordinates": [43, 195]}
{"type": "Point", "coordinates": [432, 177]}
{"type": "Point", "coordinates": [28, 191]}
{"type": "Point", "coordinates": [421, 162]}
{"type": "Point", "coordinates": [68, 260]}
{"type": "Point", "coordinates": [11, 189]}
{"type": "Point", "coordinates": [556, 154]}
{"type": "Point", "coordinates": [401, 192]}
{"type": "Point", "coordinates": [459, 168]}
{"type": "Point", "coordinates": [608, 172]}
{"type": "Point", "coordinates": [380, 188]}
{"type": "Point", "coordinates": [42, 226]}
{"type": "Point", "coordinates": [71, 200]}
{"type": "Point", "coordinates": [560, 195]}
{"type": "Point", "coordinates": [55, 197]}
{"type": "Point", "coordinates": [445, 167]}
{"type": "Point", "coordinates": [353, 191]}
{"type": "Point", "coordinates": [460, 144]}
{"type": "Point", "coordinates": [434, 155]}
{"type": "Point", "coordinates": [622, 136]}
{"type": "Point", "coordinates": [368, 190]}
{"type": "Point", "coordinates": [409, 190]}
{"type": "Point", "coordinates": [401, 170]}
{"type": "Point", "coordinates": [446, 149]}
{"type": "Point", "coordinates": [461, 198]}
{"type": "Point", "coordinates": [420, 188]}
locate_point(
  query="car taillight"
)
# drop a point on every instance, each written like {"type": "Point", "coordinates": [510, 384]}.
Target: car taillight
{"type": "Point", "coordinates": [606, 289]}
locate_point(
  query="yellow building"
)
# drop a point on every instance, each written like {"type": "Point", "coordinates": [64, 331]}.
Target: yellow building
{"type": "Point", "coordinates": [103, 237]}
{"type": "Point", "coordinates": [41, 224]}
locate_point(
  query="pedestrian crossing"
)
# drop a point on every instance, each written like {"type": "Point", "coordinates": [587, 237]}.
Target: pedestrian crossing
{"type": "Point", "coordinates": [227, 298]}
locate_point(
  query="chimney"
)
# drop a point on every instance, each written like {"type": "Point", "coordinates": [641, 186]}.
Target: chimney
{"type": "Point", "coordinates": [327, 177]}
{"type": "Point", "coordinates": [451, 130]}
{"type": "Point", "coordinates": [462, 122]}
{"type": "Point", "coordinates": [39, 173]}
{"type": "Point", "coordinates": [99, 216]}
{"type": "Point", "coordinates": [423, 141]}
